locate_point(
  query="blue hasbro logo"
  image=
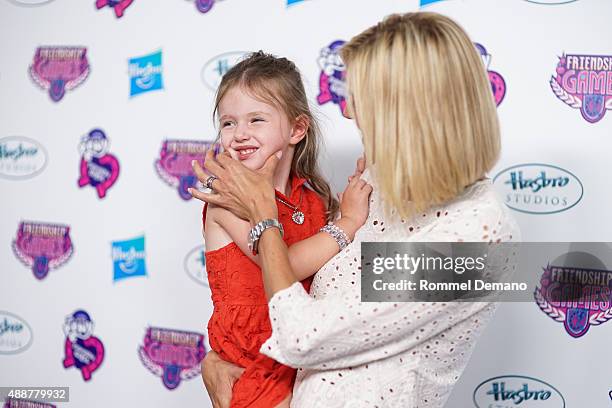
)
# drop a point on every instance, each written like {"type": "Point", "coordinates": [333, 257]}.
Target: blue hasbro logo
{"type": "Point", "coordinates": [146, 73]}
{"type": "Point", "coordinates": [129, 258]}
{"type": "Point", "coordinates": [290, 2]}
{"type": "Point", "coordinates": [426, 2]}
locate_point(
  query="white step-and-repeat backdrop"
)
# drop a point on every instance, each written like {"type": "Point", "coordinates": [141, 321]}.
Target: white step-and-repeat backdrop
{"type": "Point", "coordinates": [103, 104]}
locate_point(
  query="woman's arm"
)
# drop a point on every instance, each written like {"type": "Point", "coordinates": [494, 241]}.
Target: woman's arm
{"type": "Point", "coordinates": [219, 377]}
{"type": "Point", "coordinates": [307, 256]}
{"type": "Point", "coordinates": [340, 331]}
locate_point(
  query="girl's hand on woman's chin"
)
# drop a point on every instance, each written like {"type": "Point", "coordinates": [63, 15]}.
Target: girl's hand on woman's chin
{"type": "Point", "coordinates": [355, 202]}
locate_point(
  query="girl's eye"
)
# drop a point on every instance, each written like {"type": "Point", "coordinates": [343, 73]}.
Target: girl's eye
{"type": "Point", "coordinates": [226, 124]}
{"type": "Point", "coordinates": [257, 120]}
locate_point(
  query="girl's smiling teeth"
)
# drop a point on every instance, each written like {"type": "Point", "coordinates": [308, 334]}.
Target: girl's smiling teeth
{"type": "Point", "coordinates": [245, 152]}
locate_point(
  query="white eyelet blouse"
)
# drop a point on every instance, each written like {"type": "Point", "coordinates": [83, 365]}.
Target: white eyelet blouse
{"type": "Point", "coordinates": [405, 355]}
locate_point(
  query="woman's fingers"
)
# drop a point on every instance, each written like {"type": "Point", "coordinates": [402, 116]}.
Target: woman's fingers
{"type": "Point", "coordinates": [215, 199]}
{"type": "Point", "coordinates": [269, 167]}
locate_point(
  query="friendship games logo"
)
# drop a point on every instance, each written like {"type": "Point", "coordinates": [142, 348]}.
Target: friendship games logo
{"type": "Point", "coordinates": [537, 188]}
{"type": "Point", "coordinates": [82, 350]}
{"type": "Point", "coordinates": [15, 333]}
{"type": "Point", "coordinates": [174, 163]}
{"type": "Point", "coordinates": [498, 85]}
{"type": "Point", "coordinates": [42, 247]}
{"type": "Point", "coordinates": [172, 355]}
{"type": "Point", "coordinates": [576, 290]}
{"type": "Point", "coordinates": [145, 73]}
{"type": "Point", "coordinates": [21, 158]}
{"type": "Point", "coordinates": [118, 6]}
{"type": "Point", "coordinates": [517, 390]}
{"type": "Point", "coordinates": [195, 265]}
{"type": "Point", "coordinates": [98, 168]}
{"type": "Point", "coordinates": [214, 70]}
{"type": "Point", "coordinates": [58, 69]}
{"type": "Point", "coordinates": [24, 403]}
{"type": "Point", "coordinates": [584, 82]}
{"type": "Point", "coordinates": [332, 80]}
{"type": "Point", "coordinates": [129, 258]}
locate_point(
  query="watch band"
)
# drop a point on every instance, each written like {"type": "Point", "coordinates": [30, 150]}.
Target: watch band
{"type": "Point", "coordinates": [258, 229]}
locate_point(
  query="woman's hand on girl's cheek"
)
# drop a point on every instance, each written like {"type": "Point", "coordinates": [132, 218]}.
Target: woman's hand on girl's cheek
{"type": "Point", "coordinates": [219, 377]}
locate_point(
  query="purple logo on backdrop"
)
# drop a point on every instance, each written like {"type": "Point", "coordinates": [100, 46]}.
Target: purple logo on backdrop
{"type": "Point", "coordinates": [575, 296]}
{"type": "Point", "coordinates": [82, 350]}
{"type": "Point", "coordinates": [332, 86]}
{"type": "Point", "coordinates": [174, 163]}
{"type": "Point", "coordinates": [58, 69]}
{"type": "Point", "coordinates": [98, 168]}
{"type": "Point", "coordinates": [204, 6]}
{"type": "Point", "coordinates": [42, 246]}
{"type": "Point", "coordinates": [118, 6]}
{"type": "Point", "coordinates": [498, 85]}
{"type": "Point", "coordinates": [584, 82]}
{"type": "Point", "coordinates": [173, 355]}
{"type": "Point", "coordinates": [23, 403]}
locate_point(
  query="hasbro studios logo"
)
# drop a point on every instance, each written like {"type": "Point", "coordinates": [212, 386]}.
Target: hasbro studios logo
{"type": "Point", "coordinates": [537, 188]}
{"type": "Point", "coordinates": [145, 73]}
{"type": "Point", "coordinates": [15, 333]}
{"type": "Point", "coordinates": [214, 70]}
{"type": "Point", "coordinates": [129, 258]}
{"type": "Point", "coordinates": [195, 265]}
{"type": "Point", "coordinates": [21, 158]}
{"type": "Point", "coordinates": [517, 391]}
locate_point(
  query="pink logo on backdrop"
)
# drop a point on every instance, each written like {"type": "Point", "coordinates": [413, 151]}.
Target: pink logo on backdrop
{"type": "Point", "coordinates": [174, 163]}
{"type": "Point", "coordinates": [584, 82]}
{"type": "Point", "coordinates": [577, 297]}
{"type": "Point", "coordinates": [118, 6]}
{"type": "Point", "coordinates": [498, 85]}
{"type": "Point", "coordinates": [173, 355]}
{"type": "Point", "coordinates": [82, 350]}
{"type": "Point", "coordinates": [42, 247]}
{"type": "Point", "coordinates": [332, 79]}
{"type": "Point", "coordinates": [98, 168]}
{"type": "Point", "coordinates": [58, 69]}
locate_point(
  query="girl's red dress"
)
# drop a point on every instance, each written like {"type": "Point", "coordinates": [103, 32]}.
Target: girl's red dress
{"type": "Point", "coordinates": [240, 323]}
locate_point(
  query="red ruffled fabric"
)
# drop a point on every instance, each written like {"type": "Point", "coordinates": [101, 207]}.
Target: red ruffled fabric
{"type": "Point", "coordinates": [240, 323]}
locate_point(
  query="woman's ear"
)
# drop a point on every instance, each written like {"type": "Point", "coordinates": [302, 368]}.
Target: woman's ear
{"type": "Point", "coordinates": [299, 130]}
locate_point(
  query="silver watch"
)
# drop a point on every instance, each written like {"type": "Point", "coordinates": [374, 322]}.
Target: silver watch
{"type": "Point", "coordinates": [258, 229]}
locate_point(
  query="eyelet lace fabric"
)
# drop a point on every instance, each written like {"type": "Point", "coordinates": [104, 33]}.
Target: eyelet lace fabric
{"type": "Point", "coordinates": [405, 355]}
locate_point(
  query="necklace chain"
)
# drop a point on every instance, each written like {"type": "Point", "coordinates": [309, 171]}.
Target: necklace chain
{"type": "Point", "coordinates": [297, 216]}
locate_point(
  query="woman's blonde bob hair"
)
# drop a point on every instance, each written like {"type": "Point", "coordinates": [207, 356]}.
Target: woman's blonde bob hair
{"type": "Point", "coordinates": [423, 102]}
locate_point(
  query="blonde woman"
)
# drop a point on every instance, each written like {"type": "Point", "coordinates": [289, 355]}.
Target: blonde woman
{"type": "Point", "coordinates": [422, 101]}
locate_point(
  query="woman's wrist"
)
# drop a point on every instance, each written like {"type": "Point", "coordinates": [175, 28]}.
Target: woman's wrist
{"type": "Point", "coordinates": [262, 210]}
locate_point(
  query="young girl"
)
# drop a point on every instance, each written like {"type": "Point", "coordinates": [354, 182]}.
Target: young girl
{"type": "Point", "coordinates": [262, 109]}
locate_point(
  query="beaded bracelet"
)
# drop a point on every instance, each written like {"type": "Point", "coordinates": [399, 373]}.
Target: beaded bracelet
{"type": "Point", "coordinates": [337, 233]}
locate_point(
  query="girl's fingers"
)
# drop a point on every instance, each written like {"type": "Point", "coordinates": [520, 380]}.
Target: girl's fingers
{"type": "Point", "coordinates": [360, 164]}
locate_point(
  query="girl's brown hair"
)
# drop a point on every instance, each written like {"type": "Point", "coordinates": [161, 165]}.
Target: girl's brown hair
{"type": "Point", "coordinates": [278, 82]}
